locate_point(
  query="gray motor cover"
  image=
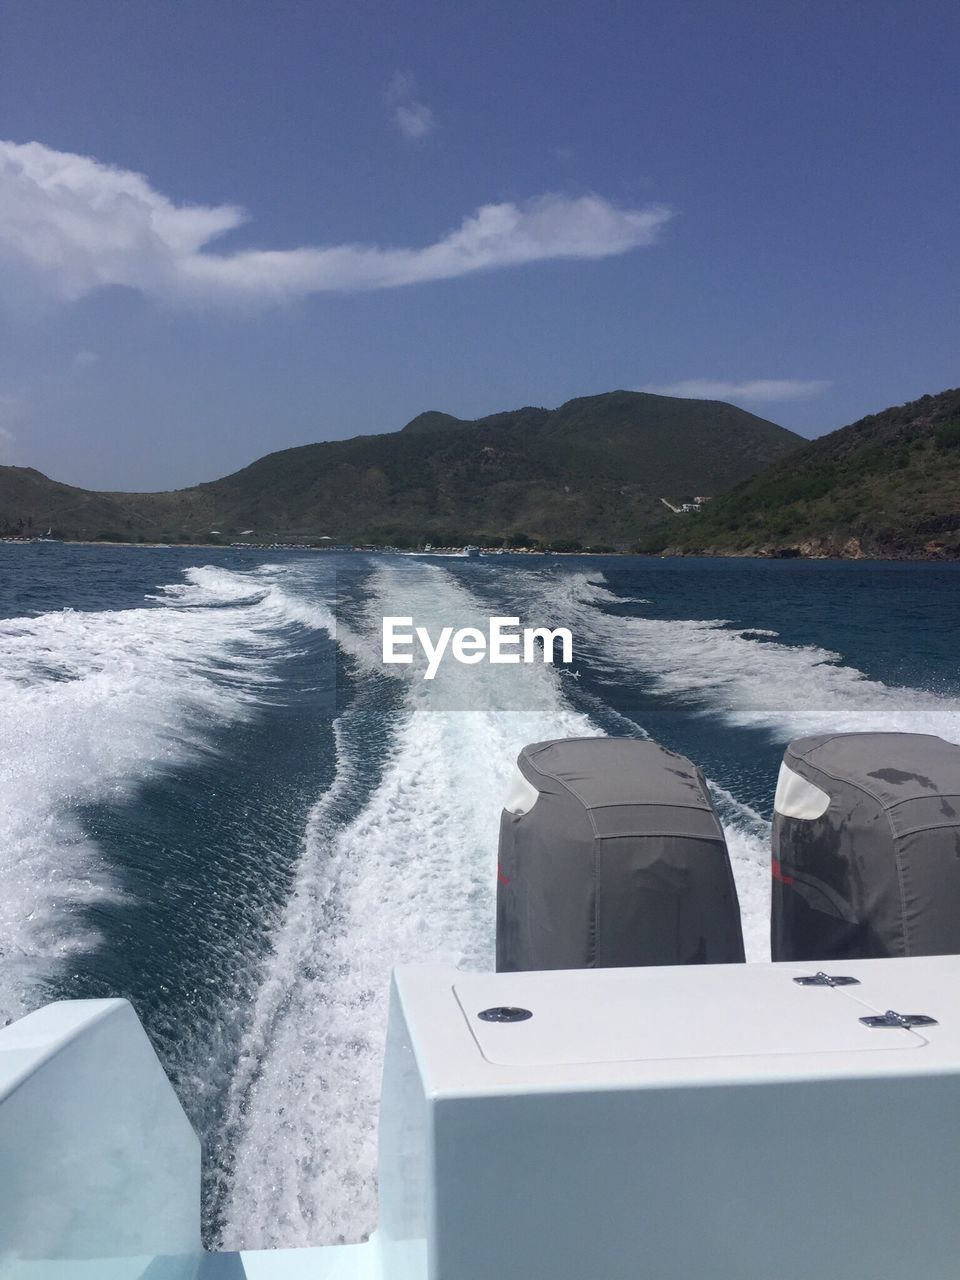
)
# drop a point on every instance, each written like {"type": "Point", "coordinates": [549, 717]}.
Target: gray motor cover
{"type": "Point", "coordinates": [620, 861]}
{"type": "Point", "coordinates": [878, 874]}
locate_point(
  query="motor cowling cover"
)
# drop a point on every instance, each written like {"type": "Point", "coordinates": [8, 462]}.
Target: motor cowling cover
{"type": "Point", "coordinates": [612, 854]}
{"type": "Point", "coordinates": [873, 869]}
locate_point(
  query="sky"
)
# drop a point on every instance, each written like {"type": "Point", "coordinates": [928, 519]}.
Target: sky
{"type": "Point", "coordinates": [232, 226]}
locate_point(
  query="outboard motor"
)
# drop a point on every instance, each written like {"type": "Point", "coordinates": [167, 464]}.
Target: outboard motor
{"type": "Point", "coordinates": [611, 854]}
{"type": "Point", "coordinates": [866, 848]}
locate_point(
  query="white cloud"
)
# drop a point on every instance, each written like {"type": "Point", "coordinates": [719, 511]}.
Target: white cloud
{"type": "Point", "coordinates": [78, 225]}
{"type": "Point", "coordinates": [413, 118]}
{"type": "Point", "coordinates": [758, 391]}
{"type": "Point", "coordinates": [83, 359]}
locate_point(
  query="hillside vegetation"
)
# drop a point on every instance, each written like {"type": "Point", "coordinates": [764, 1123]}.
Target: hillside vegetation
{"type": "Point", "coordinates": [591, 473]}
{"type": "Point", "coordinates": [887, 486]}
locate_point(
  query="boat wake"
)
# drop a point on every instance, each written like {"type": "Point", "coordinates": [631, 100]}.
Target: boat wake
{"type": "Point", "coordinates": [93, 705]}
{"type": "Point", "coordinates": [746, 676]}
{"type": "Point", "coordinates": [411, 877]}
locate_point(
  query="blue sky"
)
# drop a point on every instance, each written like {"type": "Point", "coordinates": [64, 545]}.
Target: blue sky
{"type": "Point", "coordinates": [230, 227]}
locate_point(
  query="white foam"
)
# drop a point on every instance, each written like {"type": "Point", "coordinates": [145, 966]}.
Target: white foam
{"type": "Point", "coordinates": [751, 681]}
{"type": "Point", "coordinates": [748, 842]}
{"type": "Point", "coordinates": [90, 704]}
{"type": "Point", "coordinates": [411, 877]}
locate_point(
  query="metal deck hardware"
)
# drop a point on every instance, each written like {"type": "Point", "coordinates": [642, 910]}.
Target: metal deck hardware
{"type": "Point", "coordinates": [504, 1013]}
{"type": "Point", "coordinates": [822, 979]}
{"type": "Point", "coordinates": [893, 1019]}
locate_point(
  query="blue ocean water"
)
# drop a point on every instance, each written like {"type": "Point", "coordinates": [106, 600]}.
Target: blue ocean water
{"type": "Point", "coordinates": [218, 803]}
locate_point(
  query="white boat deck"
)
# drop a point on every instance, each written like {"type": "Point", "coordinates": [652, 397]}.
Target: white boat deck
{"type": "Point", "coordinates": [662, 1122]}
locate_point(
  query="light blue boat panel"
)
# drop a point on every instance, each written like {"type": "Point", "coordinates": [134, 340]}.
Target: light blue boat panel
{"type": "Point", "coordinates": [97, 1159]}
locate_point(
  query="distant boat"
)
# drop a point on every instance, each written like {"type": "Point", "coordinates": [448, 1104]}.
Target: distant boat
{"type": "Point", "coordinates": [471, 552]}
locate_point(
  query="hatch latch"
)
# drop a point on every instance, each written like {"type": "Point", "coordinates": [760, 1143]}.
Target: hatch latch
{"type": "Point", "coordinates": [822, 979]}
{"type": "Point", "coordinates": [893, 1019]}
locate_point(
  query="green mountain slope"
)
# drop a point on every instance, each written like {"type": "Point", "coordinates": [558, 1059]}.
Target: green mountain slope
{"type": "Point", "coordinates": [593, 471]}
{"type": "Point", "coordinates": [887, 486]}
{"type": "Point", "coordinates": [31, 503]}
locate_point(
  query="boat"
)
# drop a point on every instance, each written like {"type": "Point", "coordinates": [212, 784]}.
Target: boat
{"type": "Point", "coordinates": [609, 1119]}
{"type": "Point", "coordinates": [471, 552]}
{"type": "Point", "coordinates": [45, 538]}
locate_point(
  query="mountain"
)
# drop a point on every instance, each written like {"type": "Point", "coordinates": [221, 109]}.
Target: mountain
{"type": "Point", "coordinates": [887, 486]}
{"type": "Point", "coordinates": [592, 471]}
{"type": "Point", "coordinates": [31, 503]}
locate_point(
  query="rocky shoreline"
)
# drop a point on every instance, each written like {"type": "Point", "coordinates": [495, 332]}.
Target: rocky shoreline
{"type": "Point", "coordinates": [828, 548]}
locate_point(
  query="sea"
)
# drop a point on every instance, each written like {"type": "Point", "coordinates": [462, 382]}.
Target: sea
{"type": "Point", "coordinates": [219, 803]}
